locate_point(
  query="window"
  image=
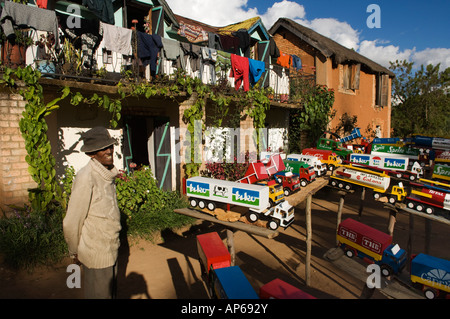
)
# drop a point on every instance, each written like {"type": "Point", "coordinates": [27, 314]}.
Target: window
{"type": "Point", "coordinates": [350, 76]}
{"type": "Point", "coordinates": [382, 90]}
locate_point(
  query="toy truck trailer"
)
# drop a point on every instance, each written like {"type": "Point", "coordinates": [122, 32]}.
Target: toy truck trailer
{"type": "Point", "coordinates": [319, 167]}
{"type": "Point", "coordinates": [212, 254]}
{"type": "Point", "coordinates": [372, 245]}
{"type": "Point", "coordinates": [431, 274]}
{"type": "Point", "coordinates": [208, 192]}
{"type": "Point", "coordinates": [393, 165]}
{"type": "Point", "coordinates": [335, 146]}
{"type": "Point", "coordinates": [441, 171]}
{"type": "Point", "coordinates": [327, 157]}
{"type": "Point", "coordinates": [278, 289]}
{"type": "Point", "coordinates": [231, 283]}
{"type": "Point", "coordinates": [289, 181]}
{"type": "Point", "coordinates": [304, 171]}
{"type": "Point", "coordinates": [428, 198]}
{"type": "Point", "coordinates": [348, 175]}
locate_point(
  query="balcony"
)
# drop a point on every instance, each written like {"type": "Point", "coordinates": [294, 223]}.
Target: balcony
{"type": "Point", "coordinates": [107, 67]}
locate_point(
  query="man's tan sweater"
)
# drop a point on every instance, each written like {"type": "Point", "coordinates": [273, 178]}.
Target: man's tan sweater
{"type": "Point", "coordinates": [92, 223]}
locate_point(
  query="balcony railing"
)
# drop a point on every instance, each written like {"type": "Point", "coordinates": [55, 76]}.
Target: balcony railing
{"type": "Point", "coordinates": [108, 66]}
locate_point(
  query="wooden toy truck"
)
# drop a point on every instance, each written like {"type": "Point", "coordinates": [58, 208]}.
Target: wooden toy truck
{"type": "Point", "coordinates": [304, 171]}
{"type": "Point", "coordinates": [231, 283]}
{"type": "Point", "coordinates": [212, 253]}
{"type": "Point", "coordinates": [348, 176]}
{"type": "Point", "coordinates": [278, 289]}
{"type": "Point", "coordinates": [372, 245]}
{"type": "Point", "coordinates": [431, 275]}
{"type": "Point", "coordinates": [327, 157]}
{"type": "Point", "coordinates": [209, 192]}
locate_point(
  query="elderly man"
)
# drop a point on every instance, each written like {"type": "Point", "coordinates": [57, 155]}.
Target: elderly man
{"type": "Point", "coordinates": [92, 223]}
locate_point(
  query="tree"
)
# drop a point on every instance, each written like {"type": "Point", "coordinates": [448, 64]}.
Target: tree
{"type": "Point", "coordinates": [420, 100]}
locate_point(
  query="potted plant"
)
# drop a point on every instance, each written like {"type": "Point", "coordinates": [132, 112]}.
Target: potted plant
{"type": "Point", "coordinates": [14, 48]}
{"type": "Point", "coordinates": [45, 53]}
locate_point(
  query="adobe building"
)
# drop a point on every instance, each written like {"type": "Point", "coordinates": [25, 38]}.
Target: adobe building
{"type": "Point", "coordinates": [362, 87]}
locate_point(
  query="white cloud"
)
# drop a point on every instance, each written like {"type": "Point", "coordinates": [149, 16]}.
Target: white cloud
{"type": "Point", "coordinates": [383, 54]}
{"type": "Point", "coordinates": [432, 56]}
{"type": "Point", "coordinates": [213, 12]}
{"type": "Point", "coordinates": [341, 32]}
{"type": "Point", "coordinates": [285, 9]}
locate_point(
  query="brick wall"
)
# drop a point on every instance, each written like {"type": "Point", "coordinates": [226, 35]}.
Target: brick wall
{"type": "Point", "coordinates": [14, 177]}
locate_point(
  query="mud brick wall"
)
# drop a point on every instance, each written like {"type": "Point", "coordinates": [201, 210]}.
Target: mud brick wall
{"type": "Point", "coordinates": [14, 177]}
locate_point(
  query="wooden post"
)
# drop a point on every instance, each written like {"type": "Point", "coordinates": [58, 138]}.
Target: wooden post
{"type": "Point", "coordinates": [339, 213]}
{"type": "Point", "coordinates": [392, 220]}
{"type": "Point", "coordinates": [230, 244]}
{"type": "Point", "coordinates": [411, 236]}
{"type": "Point", "coordinates": [308, 240]}
{"type": "Point", "coordinates": [427, 235]}
{"type": "Point", "coordinates": [361, 203]}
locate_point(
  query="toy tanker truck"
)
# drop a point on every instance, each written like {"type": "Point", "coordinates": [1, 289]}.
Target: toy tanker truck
{"type": "Point", "coordinates": [372, 245]}
{"type": "Point", "coordinates": [429, 198]}
{"type": "Point", "coordinates": [348, 176]}
{"type": "Point", "coordinates": [431, 274]}
{"type": "Point", "coordinates": [209, 192]}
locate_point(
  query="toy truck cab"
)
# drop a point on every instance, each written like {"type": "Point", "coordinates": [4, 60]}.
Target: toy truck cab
{"type": "Point", "coordinates": [279, 215]}
{"type": "Point", "coordinates": [397, 194]}
{"type": "Point", "coordinates": [290, 182]}
{"type": "Point", "coordinates": [276, 193]}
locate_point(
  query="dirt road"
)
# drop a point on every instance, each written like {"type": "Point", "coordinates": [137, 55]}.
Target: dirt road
{"type": "Point", "coordinates": [169, 269]}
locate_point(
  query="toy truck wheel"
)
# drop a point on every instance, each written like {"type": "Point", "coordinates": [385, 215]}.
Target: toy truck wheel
{"type": "Point", "coordinates": [430, 293]}
{"type": "Point", "coordinates": [341, 185]}
{"type": "Point", "coordinates": [193, 202]}
{"type": "Point", "coordinates": [273, 224]}
{"type": "Point", "coordinates": [348, 187]}
{"type": "Point", "coordinates": [412, 178]}
{"type": "Point", "coordinates": [211, 206]}
{"type": "Point", "coordinates": [392, 200]}
{"type": "Point", "coordinates": [253, 217]}
{"type": "Point", "coordinates": [429, 210]}
{"type": "Point", "coordinates": [201, 204]}
{"type": "Point", "coordinates": [410, 205]}
{"type": "Point", "coordinates": [386, 271]}
{"type": "Point", "coordinates": [376, 196]}
{"type": "Point", "coordinates": [303, 182]}
{"type": "Point", "coordinates": [349, 253]}
{"type": "Point", "coordinates": [419, 208]}
{"type": "Point", "coordinates": [287, 191]}
{"type": "Point", "coordinates": [333, 183]}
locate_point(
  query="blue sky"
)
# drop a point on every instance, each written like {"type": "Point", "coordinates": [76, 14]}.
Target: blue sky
{"type": "Point", "coordinates": [414, 30]}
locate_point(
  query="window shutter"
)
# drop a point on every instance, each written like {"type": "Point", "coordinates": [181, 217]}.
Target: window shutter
{"type": "Point", "coordinates": [355, 76]}
{"type": "Point", "coordinates": [384, 90]}
{"type": "Point", "coordinates": [346, 82]}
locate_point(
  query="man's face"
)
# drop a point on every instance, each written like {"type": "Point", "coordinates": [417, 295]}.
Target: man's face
{"type": "Point", "coordinates": [105, 156]}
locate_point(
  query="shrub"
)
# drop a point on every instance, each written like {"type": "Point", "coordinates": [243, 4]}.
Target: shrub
{"type": "Point", "coordinates": [145, 207]}
{"type": "Point", "coordinates": [31, 238]}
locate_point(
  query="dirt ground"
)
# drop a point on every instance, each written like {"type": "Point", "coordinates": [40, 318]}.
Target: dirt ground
{"type": "Point", "coordinates": [169, 269]}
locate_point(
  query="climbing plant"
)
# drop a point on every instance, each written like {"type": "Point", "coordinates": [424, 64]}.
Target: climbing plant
{"type": "Point", "coordinates": [312, 118]}
{"type": "Point", "coordinates": [41, 163]}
